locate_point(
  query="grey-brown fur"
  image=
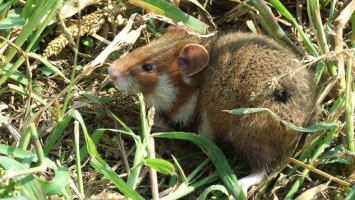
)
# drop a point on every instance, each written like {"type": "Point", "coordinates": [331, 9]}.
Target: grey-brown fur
{"type": "Point", "coordinates": [243, 63]}
{"type": "Point", "coordinates": [239, 64]}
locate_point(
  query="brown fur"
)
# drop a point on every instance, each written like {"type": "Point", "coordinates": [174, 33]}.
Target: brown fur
{"type": "Point", "coordinates": [239, 63]}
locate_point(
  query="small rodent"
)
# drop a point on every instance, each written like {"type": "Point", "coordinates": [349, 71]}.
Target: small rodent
{"type": "Point", "coordinates": [190, 80]}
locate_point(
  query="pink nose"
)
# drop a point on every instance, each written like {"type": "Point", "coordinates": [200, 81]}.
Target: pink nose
{"type": "Point", "coordinates": [112, 73]}
{"type": "Point", "coordinates": [113, 77]}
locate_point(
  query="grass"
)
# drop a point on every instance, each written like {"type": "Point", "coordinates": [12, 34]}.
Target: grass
{"type": "Point", "coordinates": [66, 133]}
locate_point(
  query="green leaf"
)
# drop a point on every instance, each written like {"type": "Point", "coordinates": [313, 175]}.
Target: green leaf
{"type": "Point", "coordinates": [47, 71]}
{"type": "Point", "coordinates": [30, 187]}
{"type": "Point", "coordinates": [211, 188]}
{"type": "Point", "coordinates": [88, 41]}
{"type": "Point", "coordinates": [16, 75]}
{"type": "Point", "coordinates": [313, 128]}
{"type": "Point", "coordinates": [78, 67]}
{"type": "Point", "coordinates": [337, 154]}
{"type": "Point", "coordinates": [107, 171]}
{"type": "Point", "coordinates": [15, 198]}
{"type": "Point", "coordinates": [58, 130]}
{"type": "Point", "coordinates": [60, 180]}
{"type": "Point", "coordinates": [44, 8]}
{"type": "Point", "coordinates": [351, 195]}
{"type": "Point", "coordinates": [215, 155]}
{"type": "Point", "coordinates": [251, 26]}
{"type": "Point", "coordinates": [160, 165]}
{"type": "Point", "coordinates": [90, 144]}
{"type": "Point", "coordinates": [96, 136]}
{"type": "Point", "coordinates": [49, 65]}
{"type": "Point", "coordinates": [23, 154]}
{"type": "Point", "coordinates": [7, 5]}
{"type": "Point", "coordinates": [12, 22]}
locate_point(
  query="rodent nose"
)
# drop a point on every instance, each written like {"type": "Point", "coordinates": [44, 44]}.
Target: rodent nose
{"type": "Point", "coordinates": [113, 77]}
{"type": "Point", "coordinates": [112, 73]}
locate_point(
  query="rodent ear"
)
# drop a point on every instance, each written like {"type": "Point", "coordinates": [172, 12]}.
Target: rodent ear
{"type": "Point", "coordinates": [192, 59]}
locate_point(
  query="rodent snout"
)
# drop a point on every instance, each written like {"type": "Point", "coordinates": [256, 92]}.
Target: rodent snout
{"type": "Point", "coordinates": [112, 73]}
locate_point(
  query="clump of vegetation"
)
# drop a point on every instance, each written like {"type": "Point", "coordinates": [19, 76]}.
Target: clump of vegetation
{"type": "Point", "coordinates": [66, 132]}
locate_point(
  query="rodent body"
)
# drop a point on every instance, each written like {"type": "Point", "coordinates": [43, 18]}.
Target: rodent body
{"type": "Point", "coordinates": [191, 80]}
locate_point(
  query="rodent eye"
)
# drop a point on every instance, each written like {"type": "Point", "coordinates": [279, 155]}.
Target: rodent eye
{"type": "Point", "coordinates": [147, 67]}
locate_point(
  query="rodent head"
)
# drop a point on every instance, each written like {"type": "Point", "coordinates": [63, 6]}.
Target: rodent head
{"type": "Point", "coordinates": [160, 70]}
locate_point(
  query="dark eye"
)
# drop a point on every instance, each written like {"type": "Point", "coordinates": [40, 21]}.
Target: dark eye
{"type": "Point", "coordinates": [147, 67]}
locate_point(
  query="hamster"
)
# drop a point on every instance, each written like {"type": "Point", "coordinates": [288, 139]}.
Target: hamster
{"type": "Point", "coordinates": [191, 80]}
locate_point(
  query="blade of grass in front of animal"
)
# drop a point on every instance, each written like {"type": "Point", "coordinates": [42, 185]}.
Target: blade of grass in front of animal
{"type": "Point", "coordinates": [198, 169]}
{"type": "Point", "coordinates": [313, 128]}
{"type": "Point", "coordinates": [325, 143]}
{"type": "Point", "coordinates": [190, 188]}
{"type": "Point", "coordinates": [211, 188]}
{"type": "Point", "coordinates": [107, 171]}
{"type": "Point", "coordinates": [160, 165]}
{"type": "Point", "coordinates": [217, 157]}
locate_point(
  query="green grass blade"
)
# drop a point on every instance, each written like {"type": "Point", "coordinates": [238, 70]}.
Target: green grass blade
{"type": "Point", "coordinates": [211, 188]}
{"type": "Point", "coordinates": [27, 31]}
{"type": "Point", "coordinates": [96, 136]}
{"type": "Point", "coordinates": [25, 92]}
{"type": "Point", "coordinates": [281, 8]}
{"type": "Point", "coordinates": [160, 165]}
{"type": "Point", "coordinates": [12, 22]}
{"type": "Point", "coordinates": [58, 130]}
{"type": "Point", "coordinates": [16, 75]}
{"type": "Point", "coordinates": [60, 180]}
{"type": "Point", "coordinates": [15, 152]}
{"type": "Point", "coordinates": [15, 198]}
{"type": "Point", "coordinates": [313, 128]}
{"type": "Point", "coordinates": [104, 169]}
{"type": "Point", "coordinates": [6, 5]}
{"type": "Point", "coordinates": [160, 7]}
{"type": "Point", "coordinates": [217, 157]}
{"type": "Point", "coordinates": [351, 195]}
{"type": "Point", "coordinates": [48, 64]}
{"type": "Point", "coordinates": [324, 144]}
{"type": "Point", "coordinates": [23, 154]}
{"type": "Point", "coordinates": [90, 144]}
{"type": "Point", "coordinates": [30, 187]}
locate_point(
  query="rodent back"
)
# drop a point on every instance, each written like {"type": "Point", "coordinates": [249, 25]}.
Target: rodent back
{"type": "Point", "coordinates": [242, 64]}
